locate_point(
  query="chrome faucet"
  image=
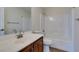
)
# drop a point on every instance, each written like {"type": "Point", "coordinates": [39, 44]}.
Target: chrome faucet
{"type": "Point", "coordinates": [20, 35]}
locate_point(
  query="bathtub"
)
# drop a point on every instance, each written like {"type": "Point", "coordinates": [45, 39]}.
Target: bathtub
{"type": "Point", "coordinates": [60, 43]}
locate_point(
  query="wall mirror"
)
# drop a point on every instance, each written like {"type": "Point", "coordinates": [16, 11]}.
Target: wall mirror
{"type": "Point", "coordinates": [14, 20]}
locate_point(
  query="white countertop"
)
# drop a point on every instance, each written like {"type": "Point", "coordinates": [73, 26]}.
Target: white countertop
{"type": "Point", "coordinates": [9, 43]}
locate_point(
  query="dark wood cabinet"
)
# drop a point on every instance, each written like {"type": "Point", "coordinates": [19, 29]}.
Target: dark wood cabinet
{"type": "Point", "coordinates": [28, 49]}
{"type": "Point", "coordinates": [36, 46]}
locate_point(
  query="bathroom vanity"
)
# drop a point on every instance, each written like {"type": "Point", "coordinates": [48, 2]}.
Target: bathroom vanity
{"type": "Point", "coordinates": [30, 42]}
{"type": "Point", "coordinates": [36, 46]}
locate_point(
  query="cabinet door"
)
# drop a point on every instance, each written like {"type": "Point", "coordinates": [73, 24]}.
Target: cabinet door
{"type": "Point", "coordinates": [28, 48]}
{"type": "Point", "coordinates": [38, 45]}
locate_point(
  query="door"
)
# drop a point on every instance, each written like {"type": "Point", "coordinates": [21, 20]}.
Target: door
{"type": "Point", "coordinates": [76, 28]}
{"type": "Point", "coordinates": [1, 21]}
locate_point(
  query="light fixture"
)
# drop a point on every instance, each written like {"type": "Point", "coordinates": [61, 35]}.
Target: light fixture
{"type": "Point", "coordinates": [51, 18]}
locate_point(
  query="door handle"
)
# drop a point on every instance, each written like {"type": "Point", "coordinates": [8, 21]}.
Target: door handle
{"type": "Point", "coordinates": [1, 29]}
{"type": "Point", "coordinates": [77, 19]}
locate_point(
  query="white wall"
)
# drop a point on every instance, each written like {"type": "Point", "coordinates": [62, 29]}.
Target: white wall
{"type": "Point", "coordinates": [61, 21]}
{"type": "Point", "coordinates": [18, 15]}
{"type": "Point", "coordinates": [36, 17]}
{"type": "Point", "coordinates": [29, 21]}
